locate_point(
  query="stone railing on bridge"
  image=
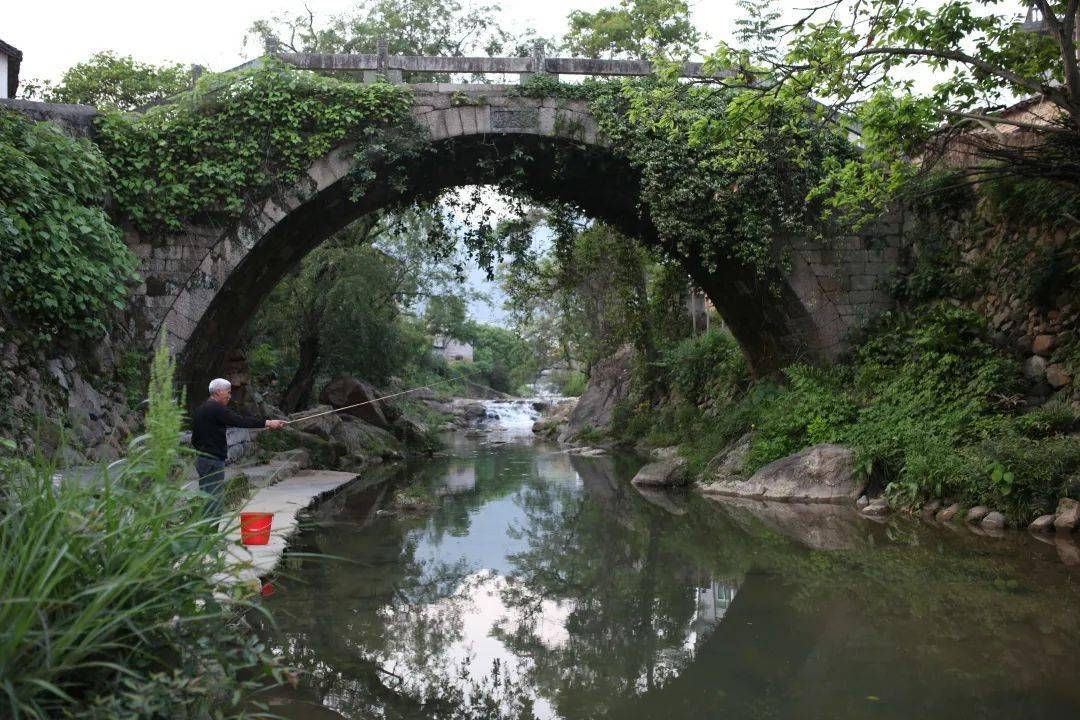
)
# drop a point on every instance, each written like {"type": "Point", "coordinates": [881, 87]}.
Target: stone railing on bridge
{"type": "Point", "coordinates": [393, 68]}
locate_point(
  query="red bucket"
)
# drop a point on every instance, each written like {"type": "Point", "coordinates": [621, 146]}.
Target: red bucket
{"type": "Point", "coordinates": [255, 528]}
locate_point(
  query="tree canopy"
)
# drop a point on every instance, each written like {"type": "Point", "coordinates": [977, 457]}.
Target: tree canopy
{"type": "Point", "coordinates": [111, 82]}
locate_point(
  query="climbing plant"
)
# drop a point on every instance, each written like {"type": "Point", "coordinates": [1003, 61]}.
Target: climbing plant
{"type": "Point", "coordinates": [63, 266]}
{"type": "Point", "coordinates": [239, 136]}
{"type": "Point", "coordinates": [724, 173]}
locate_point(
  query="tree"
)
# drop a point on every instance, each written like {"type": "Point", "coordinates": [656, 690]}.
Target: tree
{"type": "Point", "coordinates": [640, 29]}
{"type": "Point", "coordinates": [108, 81]}
{"type": "Point", "coordinates": [412, 27]}
{"type": "Point", "coordinates": [343, 309]}
{"type": "Point", "coordinates": [868, 63]}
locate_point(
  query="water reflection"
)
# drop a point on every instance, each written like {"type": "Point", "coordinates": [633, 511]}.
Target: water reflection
{"type": "Point", "coordinates": [546, 586]}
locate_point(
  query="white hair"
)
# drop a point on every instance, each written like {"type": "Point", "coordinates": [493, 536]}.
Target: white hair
{"type": "Point", "coordinates": [218, 385]}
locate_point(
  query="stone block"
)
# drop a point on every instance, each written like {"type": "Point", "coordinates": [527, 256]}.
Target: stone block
{"type": "Point", "coordinates": [483, 120]}
{"type": "Point", "coordinates": [452, 118]}
{"type": "Point", "coordinates": [547, 120]}
{"type": "Point", "coordinates": [864, 282]}
{"type": "Point", "coordinates": [468, 121]}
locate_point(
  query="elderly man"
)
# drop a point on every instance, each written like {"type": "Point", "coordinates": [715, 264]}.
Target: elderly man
{"type": "Point", "coordinates": [209, 424]}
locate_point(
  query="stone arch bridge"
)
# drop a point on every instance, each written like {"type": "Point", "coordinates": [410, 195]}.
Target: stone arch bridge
{"type": "Point", "coordinates": [202, 284]}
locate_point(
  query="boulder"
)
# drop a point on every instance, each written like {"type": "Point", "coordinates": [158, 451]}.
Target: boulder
{"type": "Point", "coordinates": [665, 453]}
{"type": "Point", "coordinates": [411, 430]}
{"type": "Point", "coordinates": [976, 514]}
{"type": "Point", "coordinates": [1067, 517]}
{"type": "Point", "coordinates": [324, 454]}
{"type": "Point", "coordinates": [1042, 524]}
{"type": "Point", "coordinates": [727, 466]}
{"type": "Point", "coordinates": [862, 502]}
{"type": "Point", "coordinates": [474, 411]}
{"type": "Point", "coordinates": [323, 426]}
{"type": "Point", "coordinates": [609, 383]}
{"type": "Point", "coordinates": [344, 391]}
{"type": "Point", "coordinates": [930, 509]}
{"type": "Point", "coordinates": [947, 514]}
{"type": "Point", "coordinates": [993, 521]}
{"type": "Point", "coordinates": [360, 438]}
{"type": "Point", "coordinates": [876, 507]}
{"type": "Point", "coordinates": [665, 473]}
{"type": "Point", "coordinates": [822, 473]}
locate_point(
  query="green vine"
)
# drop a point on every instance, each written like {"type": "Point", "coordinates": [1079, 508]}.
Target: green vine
{"type": "Point", "coordinates": [237, 138]}
{"type": "Point", "coordinates": [724, 174]}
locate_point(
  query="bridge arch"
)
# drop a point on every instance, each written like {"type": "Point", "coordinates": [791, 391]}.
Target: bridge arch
{"type": "Point", "coordinates": [202, 285]}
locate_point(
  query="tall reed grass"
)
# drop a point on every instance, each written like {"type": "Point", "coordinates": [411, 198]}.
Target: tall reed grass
{"type": "Point", "coordinates": [108, 603]}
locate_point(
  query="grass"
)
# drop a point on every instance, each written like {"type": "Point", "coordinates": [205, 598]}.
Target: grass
{"type": "Point", "coordinates": [107, 602]}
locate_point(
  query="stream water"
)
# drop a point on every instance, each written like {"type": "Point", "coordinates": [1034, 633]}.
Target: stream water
{"type": "Point", "coordinates": [544, 584]}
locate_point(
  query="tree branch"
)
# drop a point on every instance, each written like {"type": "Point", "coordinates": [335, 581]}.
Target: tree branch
{"type": "Point", "coordinates": [966, 59]}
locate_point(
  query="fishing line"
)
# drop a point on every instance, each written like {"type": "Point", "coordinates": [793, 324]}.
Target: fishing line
{"type": "Point", "coordinates": [384, 397]}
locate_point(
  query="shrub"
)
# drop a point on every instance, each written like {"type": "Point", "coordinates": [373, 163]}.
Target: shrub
{"type": "Point", "coordinates": [108, 605]}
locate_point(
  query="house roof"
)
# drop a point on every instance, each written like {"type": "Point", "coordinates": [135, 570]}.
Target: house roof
{"type": "Point", "coordinates": [15, 57]}
{"type": "Point", "coordinates": [10, 50]}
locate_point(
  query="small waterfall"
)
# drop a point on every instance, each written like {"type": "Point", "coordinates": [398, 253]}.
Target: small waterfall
{"type": "Point", "coordinates": [510, 415]}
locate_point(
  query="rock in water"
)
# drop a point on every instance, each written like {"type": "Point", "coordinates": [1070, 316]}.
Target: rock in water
{"type": "Point", "coordinates": [345, 390]}
{"type": "Point", "coordinates": [609, 383]}
{"type": "Point", "coordinates": [948, 513]}
{"type": "Point", "coordinates": [976, 514]}
{"type": "Point", "coordinates": [822, 473]}
{"type": "Point", "coordinates": [664, 473]}
{"type": "Point", "coordinates": [1042, 524]}
{"type": "Point", "coordinates": [993, 521]}
{"type": "Point", "coordinates": [1067, 517]}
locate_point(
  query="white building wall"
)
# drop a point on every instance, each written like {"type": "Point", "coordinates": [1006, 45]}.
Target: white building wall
{"type": "Point", "coordinates": [3, 76]}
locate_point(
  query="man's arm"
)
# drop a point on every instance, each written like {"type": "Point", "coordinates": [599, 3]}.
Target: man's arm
{"type": "Point", "coordinates": [234, 419]}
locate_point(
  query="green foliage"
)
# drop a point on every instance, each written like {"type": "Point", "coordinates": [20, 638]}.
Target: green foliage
{"type": "Point", "coordinates": [573, 384]}
{"type": "Point", "coordinates": [63, 266]}
{"type": "Point", "coordinates": [411, 27]}
{"type": "Point", "coordinates": [724, 173]}
{"type": "Point", "coordinates": [637, 28]}
{"type": "Point", "coordinates": [255, 131]}
{"type": "Point", "coordinates": [109, 82]}
{"type": "Point", "coordinates": [503, 359]}
{"type": "Point", "coordinates": [927, 403]}
{"type": "Point", "coordinates": [851, 55]}
{"type": "Point", "coordinates": [107, 602]}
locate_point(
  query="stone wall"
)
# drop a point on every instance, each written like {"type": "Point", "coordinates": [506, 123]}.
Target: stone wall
{"type": "Point", "coordinates": [1022, 279]}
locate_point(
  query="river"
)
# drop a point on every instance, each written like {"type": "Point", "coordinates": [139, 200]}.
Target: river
{"type": "Point", "coordinates": [533, 583]}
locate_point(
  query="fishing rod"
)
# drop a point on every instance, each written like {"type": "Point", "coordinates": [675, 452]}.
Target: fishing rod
{"type": "Point", "coordinates": [378, 399]}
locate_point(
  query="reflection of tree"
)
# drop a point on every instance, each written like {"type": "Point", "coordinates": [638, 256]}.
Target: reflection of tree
{"type": "Point", "coordinates": [631, 592]}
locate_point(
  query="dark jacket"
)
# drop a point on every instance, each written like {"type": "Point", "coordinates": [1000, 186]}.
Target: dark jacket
{"type": "Point", "coordinates": [208, 427]}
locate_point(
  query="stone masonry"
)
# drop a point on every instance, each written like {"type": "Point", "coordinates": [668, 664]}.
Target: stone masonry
{"type": "Point", "coordinates": [199, 286]}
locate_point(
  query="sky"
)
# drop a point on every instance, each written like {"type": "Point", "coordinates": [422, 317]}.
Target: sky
{"type": "Point", "coordinates": [55, 34]}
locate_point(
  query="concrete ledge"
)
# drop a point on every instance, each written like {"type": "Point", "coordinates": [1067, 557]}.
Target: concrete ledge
{"type": "Point", "coordinates": [285, 500]}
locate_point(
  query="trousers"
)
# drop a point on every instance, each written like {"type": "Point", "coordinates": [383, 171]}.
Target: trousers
{"type": "Point", "coordinates": [212, 482]}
